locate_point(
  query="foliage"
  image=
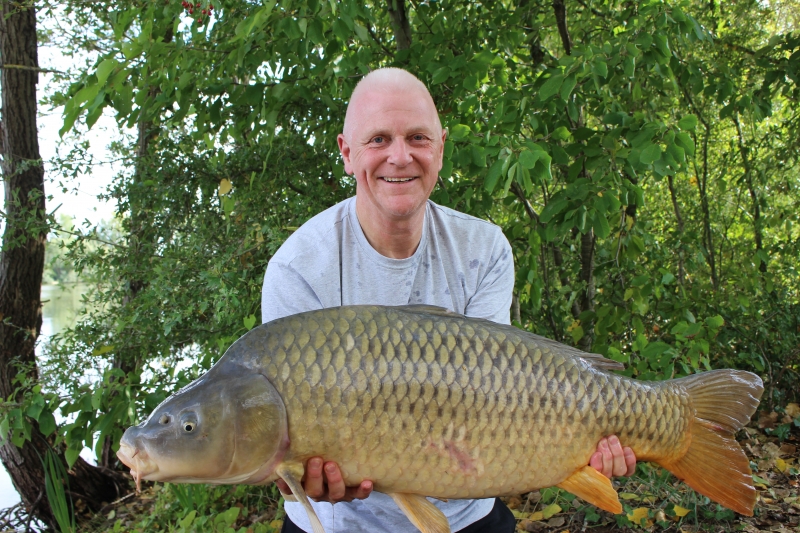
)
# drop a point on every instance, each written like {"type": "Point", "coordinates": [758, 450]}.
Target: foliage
{"type": "Point", "coordinates": [196, 508]}
{"type": "Point", "coordinates": [641, 158]}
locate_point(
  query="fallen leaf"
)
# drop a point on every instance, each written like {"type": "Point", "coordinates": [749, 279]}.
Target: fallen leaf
{"type": "Point", "coordinates": [680, 511]}
{"type": "Point", "coordinates": [628, 496]}
{"type": "Point", "coordinates": [537, 516]}
{"type": "Point", "coordinates": [767, 421]}
{"type": "Point", "coordinates": [793, 410]}
{"type": "Point", "coordinates": [556, 521]}
{"type": "Point", "coordinates": [781, 465]}
{"type": "Point", "coordinates": [638, 514]}
{"type": "Point", "coordinates": [551, 510]}
{"type": "Point", "coordinates": [788, 449]}
{"type": "Point", "coordinates": [772, 450]}
{"type": "Point", "coordinates": [513, 502]}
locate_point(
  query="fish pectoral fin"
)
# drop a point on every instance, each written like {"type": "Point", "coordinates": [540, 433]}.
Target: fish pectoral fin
{"type": "Point", "coordinates": [422, 513]}
{"type": "Point", "coordinates": [592, 486]}
{"type": "Point", "coordinates": [292, 473]}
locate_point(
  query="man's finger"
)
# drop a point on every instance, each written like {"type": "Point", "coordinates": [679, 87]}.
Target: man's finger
{"type": "Point", "coordinates": [607, 460]}
{"type": "Point", "coordinates": [333, 476]}
{"type": "Point", "coordinates": [314, 483]}
{"type": "Point", "coordinates": [630, 461]}
{"type": "Point", "coordinates": [362, 491]}
{"type": "Point", "coordinates": [618, 467]}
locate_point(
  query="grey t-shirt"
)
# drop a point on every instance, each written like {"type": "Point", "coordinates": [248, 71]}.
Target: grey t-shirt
{"type": "Point", "coordinates": [462, 263]}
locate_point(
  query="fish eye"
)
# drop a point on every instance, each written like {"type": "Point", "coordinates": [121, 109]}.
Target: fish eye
{"type": "Point", "coordinates": [188, 427]}
{"type": "Point", "coordinates": [188, 422]}
{"type": "Point", "coordinates": [164, 419]}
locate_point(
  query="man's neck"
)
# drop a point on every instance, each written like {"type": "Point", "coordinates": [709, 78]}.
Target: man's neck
{"type": "Point", "coordinates": [394, 238]}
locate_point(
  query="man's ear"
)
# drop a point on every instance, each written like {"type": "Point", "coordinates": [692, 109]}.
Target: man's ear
{"type": "Point", "coordinates": [344, 149]}
{"type": "Point", "coordinates": [441, 148]}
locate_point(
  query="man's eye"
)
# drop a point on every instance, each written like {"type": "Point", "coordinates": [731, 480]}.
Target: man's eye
{"type": "Point", "coordinates": [378, 139]}
{"type": "Point", "coordinates": [419, 137]}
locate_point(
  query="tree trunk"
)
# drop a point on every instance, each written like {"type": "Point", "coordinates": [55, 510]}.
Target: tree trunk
{"type": "Point", "coordinates": [400, 25]}
{"type": "Point", "coordinates": [22, 263]}
{"type": "Point", "coordinates": [748, 177]}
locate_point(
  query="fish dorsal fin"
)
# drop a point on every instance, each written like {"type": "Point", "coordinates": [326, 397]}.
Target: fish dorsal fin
{"type": "Point", "coordinates": [594, 487]}
{"type": "Point", "coordinates": [601, 362]}
{"type": "Point", "coordinates": [422, 513]}
{"type": "Point", "coordinates": [598, 361]}
{"type": "Point", "coordinates": [430, 309]}
{"type": "Point", "coordinates": [292, 472]}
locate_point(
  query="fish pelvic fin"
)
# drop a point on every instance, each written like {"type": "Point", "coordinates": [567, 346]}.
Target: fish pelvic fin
{"type": "Point", "coordinates": [422, 513]}
{"type": "Point", "coordinates": [714, 463]}
{"type": "Point", "coordinates": [592, 486]}
{"type": "Point", "coordinates": [292, 472]}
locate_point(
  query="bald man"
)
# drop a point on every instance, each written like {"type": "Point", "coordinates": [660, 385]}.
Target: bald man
{"type": "Point", "coordinates": [390, 245]}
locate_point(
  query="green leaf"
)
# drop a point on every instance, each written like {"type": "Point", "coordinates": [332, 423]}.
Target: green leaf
{"type": "Point", "coordinates": [105, 69]}
{"type": "Point", "coordinates": [553, 208]}
{"type": "Point", "coordinates": [249, 322]}
{"type": "Point", "coordinates": [561, 133]}
{"type": "Point", "coordinates": [528, 158]}
{"type": "Point", "coordinates": [341, 30]}
{"type": "Point", "coordinates": [650, 154]}
{"type": "Point", "coordinates": [103, 349]}
{"type": "Point", "coordinates": [684, 140]}
{"type": "Point", "coordinates": [551, 86]}
{"type": "Point", "coordinates": [715, 322]}
{"type": "Point", "coordinates": [71, 455]}
{"type": "Point", "coordinates": [493, 176]}
{"type": "Point", "coordinates": [600, 225]}
{"type": "Point", "coordinates": [440, 75]}
{"type": "Point", "coordinates": [47, 423]}
{"type": "Point", "coordinates": [362, 32]}
{"type": "Point", "coordinates": [600, 68]}
{"type": "Point", "coordinates": [688, 122]}
{"type": "Point", "coordinates": [567, 86]}
{"type": "Point", "coordinates": [459, 132]}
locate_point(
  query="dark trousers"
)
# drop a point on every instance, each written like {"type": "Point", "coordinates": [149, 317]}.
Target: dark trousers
{"type": "Point", "coordinates": [499, 520]}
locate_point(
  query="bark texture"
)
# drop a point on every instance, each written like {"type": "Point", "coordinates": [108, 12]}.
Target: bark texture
{"type": "Point", "coordinates": [22, 263]}
{"type": "Point", "coordinates": [401, 27]}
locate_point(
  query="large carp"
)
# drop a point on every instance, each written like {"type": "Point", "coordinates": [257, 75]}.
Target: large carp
{"type": "Point", "coordinates": [425, 402]}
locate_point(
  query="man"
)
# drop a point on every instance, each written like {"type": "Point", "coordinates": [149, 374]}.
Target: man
{"type": "Point", "coordinates": [389, 245]}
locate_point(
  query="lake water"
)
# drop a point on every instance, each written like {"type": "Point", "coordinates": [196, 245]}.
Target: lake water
{"type": "Point", "coordinates": [62, 304]}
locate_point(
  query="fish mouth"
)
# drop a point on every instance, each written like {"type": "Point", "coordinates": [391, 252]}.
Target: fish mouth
{"type": "Point", "coordinates": [135, 459]}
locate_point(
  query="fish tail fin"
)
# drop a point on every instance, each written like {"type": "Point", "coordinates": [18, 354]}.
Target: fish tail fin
{"type": "Point", "coordinates": [714, 463]}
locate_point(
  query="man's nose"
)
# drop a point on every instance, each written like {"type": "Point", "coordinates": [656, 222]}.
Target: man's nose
{"type": "Point", "coordinates": [400, 153]}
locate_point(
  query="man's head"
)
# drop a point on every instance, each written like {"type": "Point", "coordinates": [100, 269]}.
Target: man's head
{"type": "Point", "coordinates": [393, 144]}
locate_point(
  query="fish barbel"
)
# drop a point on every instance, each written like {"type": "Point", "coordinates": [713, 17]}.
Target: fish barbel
{"type": "Point", "coordinates": [424, 402]}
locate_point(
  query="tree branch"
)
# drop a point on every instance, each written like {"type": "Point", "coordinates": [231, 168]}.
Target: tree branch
{"type": "Point", "coordinates": [561, 20]}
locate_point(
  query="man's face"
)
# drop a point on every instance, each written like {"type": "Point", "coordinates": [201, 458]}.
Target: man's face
{"type": "Point", "coordinates": [393, 145]}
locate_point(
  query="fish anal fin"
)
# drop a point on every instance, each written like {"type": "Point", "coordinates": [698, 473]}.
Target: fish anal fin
{"type": "Point", "coordinates": [292, 472]}
{"type": "Point", "coordinates": [716, 466]}
{"type": "Point", "coordinates": [422, 513]}
{"type": "Point", "coordinates": [592, 486]}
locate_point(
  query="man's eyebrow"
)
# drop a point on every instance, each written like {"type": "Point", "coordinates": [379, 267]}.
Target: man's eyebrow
{"type": "Point", "coordinates": [410, 131]}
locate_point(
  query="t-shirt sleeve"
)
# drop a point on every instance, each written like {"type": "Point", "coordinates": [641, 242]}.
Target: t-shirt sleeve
{"type": "Point", "coordinates": [492, 299]}
{"type": "Point", "coordinates": [285, 293]}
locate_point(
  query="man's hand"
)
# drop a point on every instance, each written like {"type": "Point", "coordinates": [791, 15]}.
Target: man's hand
{"type": "Point", "coordinates": [327, 485]}
{"type": "Point", "coordinates": [611, 459]}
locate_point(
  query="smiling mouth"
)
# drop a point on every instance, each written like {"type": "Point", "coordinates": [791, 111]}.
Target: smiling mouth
{"type": "Point", "coordinates": [397, 180]}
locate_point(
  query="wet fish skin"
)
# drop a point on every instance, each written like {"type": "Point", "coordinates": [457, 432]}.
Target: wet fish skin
{"type": "Point", "coordinates": [443, 401]}
{"type": "Point", "coordinates": [421, 401]}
